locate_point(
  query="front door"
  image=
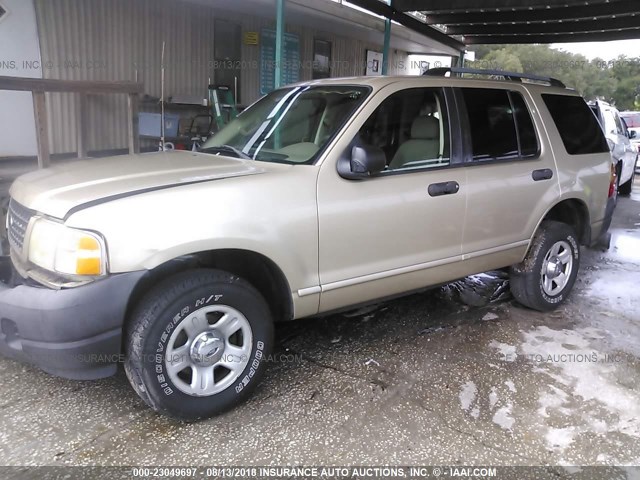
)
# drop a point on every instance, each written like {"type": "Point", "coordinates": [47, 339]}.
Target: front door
{"type": "Point", "coordinates": [402, 229]}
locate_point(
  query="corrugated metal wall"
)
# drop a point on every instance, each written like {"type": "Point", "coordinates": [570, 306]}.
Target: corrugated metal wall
{"type": "Point", "coordinates": [122, 40]}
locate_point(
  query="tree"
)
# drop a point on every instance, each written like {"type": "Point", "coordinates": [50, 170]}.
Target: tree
{"type": "Point", "coordinates": [617, 81]}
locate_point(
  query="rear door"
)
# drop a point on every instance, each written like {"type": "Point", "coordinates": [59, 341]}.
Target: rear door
{"type": "Point", "coordinates": [511, 177]}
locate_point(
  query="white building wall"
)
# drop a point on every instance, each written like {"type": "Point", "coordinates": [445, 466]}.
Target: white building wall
{"type": "Point", "coordinates": [19, 57]}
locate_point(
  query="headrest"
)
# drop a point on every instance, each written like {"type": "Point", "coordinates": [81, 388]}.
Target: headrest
{"type": "Point", "coordinates": [425, 128]}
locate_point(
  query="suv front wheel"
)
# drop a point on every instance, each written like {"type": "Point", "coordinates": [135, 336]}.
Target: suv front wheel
{"type": "Point", "coordinates": [546, 276]}
{"type": "Point", "coordinates": [198, 343]}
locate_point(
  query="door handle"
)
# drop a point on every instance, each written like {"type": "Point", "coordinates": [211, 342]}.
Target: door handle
{"type": "Point", "coordinates": [543, 174]}
{"type": "Point", "coordinates": [444, 188]}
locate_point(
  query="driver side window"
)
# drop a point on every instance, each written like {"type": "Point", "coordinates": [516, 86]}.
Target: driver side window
{"type": "Point", "coordinates": [412, 128]}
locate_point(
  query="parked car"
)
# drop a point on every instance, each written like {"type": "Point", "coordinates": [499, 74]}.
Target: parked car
{"type": "Point", "coordinates": [321, 197]}
{"type": "Point", "coordinates": [632, 122]}
{"type": "Point", "coordinates": [625, 155]}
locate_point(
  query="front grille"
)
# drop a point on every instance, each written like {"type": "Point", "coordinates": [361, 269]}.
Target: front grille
{"type": "Point", "coordinates": [18, 219]}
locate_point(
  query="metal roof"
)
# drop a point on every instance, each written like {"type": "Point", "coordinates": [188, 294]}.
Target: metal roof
{"type": "Point", "coordinates": [470, 22]}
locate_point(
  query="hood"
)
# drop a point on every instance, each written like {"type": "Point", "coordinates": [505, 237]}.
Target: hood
{"type": "Point", "coordinates": [57, 190]}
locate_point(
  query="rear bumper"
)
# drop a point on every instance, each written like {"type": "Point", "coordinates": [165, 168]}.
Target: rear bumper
{"type": "Point", "coordinates": [603, 237]}
{"type": "Point", "coordinates": [74, 333]}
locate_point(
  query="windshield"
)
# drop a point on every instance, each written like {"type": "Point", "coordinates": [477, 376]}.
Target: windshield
{"type": "Point", "coordinates": [291, 125]}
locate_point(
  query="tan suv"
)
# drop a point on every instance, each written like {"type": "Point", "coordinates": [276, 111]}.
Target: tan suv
{"type": "Point", "coordinates": [321, 196]}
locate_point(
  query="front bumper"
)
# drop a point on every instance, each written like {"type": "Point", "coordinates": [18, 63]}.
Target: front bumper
{"type": "Point", "coordinates": [74, 333]}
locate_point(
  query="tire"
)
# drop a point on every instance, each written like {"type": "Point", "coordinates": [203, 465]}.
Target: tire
{"type": "Point", "coordinates": [535, 283]}
{"type": "Point", "coordinates": [186, 332]}
{"type": "Point", "coordinates": [625, 188]}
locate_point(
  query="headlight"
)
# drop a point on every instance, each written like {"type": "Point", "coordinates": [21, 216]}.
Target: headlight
{"type": "Point", "coordinates": [67, 251]}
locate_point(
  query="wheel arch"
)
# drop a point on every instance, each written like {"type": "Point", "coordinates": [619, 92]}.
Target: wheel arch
{"type": "Point", "coordinates": [257, 269]}
{"type": "Point", "coordinates": [574, 212]}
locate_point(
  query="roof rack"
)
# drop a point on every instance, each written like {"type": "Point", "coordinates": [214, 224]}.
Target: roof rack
{"type": "Point", "coordinates": [513, 76]}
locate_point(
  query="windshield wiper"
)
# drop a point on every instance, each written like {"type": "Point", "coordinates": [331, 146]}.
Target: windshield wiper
{"type": "Point", "coordinates": [226, 148]}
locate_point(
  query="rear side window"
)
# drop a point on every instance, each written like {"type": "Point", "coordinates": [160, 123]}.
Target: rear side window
{"type": "Point", "coordinates": [526, 132]}
{"type": "Point", "coordinates": [501, 125]}
{"type": "Point", "coordinates": [577, 125]}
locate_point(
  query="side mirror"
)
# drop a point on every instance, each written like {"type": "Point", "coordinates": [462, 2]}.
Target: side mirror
{"type": "Point", "coordinates": [632, 134]}
{"type": "Point", "coordinates": [366, 161]}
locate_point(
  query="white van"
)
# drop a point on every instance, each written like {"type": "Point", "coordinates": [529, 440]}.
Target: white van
{"type": "Point", "coordinates": [619, 137]}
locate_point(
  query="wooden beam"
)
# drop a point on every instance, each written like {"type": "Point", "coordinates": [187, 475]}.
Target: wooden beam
{"type": "Point", "coordinates": [81, 124]}
{"type": "Point", "coordinates": [69, 86]}
{"type": "Point", "coordinates": [133, 102]}
{"type": "Point", "coordinates": [42, 130]}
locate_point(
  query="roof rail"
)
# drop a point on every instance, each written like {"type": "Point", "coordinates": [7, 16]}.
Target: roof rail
{"type": "Point", "coordinates": [513, 76]}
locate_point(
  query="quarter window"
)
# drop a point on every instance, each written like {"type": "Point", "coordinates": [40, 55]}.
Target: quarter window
{"type": "Point", "coordinates": [619, 127]}
{"type": "Point", "coordinates": [609, 122]}
{"type": "Point", "coordinates": [412, 128]}
{"type": "Point", "coordinates": [501, 125]}
{"type": "Point", "coordinates": [577, 125]}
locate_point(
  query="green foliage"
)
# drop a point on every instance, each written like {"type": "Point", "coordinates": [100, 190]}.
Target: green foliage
{"type": "Point", "coordinates": [616, 81]}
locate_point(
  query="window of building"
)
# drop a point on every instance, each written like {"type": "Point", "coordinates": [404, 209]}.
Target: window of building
{"type": "Point", "coordinates": [577, 125]}
{"type": "Point", "coordinates": [321, 59]}
{"type": "Point", "coordinates": [412, 128]}
{"type": "Point", "coordinates": [227, 51]}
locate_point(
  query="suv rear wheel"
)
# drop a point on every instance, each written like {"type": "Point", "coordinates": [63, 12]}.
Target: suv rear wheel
{"type": "Point", "coordinates": [546, 276]}
{"type": "Point", "coordinates": [197, 344]}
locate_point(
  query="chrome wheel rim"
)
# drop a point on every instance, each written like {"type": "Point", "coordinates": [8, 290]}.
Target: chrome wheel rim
{"type": "Point", "coordinates": [557, 268]}
{"type": "Point", "coordinates": [209, 350]}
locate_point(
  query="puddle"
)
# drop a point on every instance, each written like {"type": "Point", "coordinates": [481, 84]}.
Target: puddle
{"type": "Point", "coordinates": [503, 418]}
{"type": "Point", "coordinates": [588, 378]}
{"type": "Point", "coordinates": [625, 246]}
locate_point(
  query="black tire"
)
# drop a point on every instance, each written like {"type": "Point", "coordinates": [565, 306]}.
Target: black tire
{"type": "Point", "coordinates": [527, 278]}
{"type": "Point", "coordinates": [625, 188]}
{"type": "Point", "coordinates": [163, 310]}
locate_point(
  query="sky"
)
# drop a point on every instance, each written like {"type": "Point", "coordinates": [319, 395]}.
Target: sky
{"type": "Point", "coordinates": [604, 50]}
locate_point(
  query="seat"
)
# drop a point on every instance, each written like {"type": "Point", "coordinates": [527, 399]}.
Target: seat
{"type": "Point", "coordinates": [424, 143]}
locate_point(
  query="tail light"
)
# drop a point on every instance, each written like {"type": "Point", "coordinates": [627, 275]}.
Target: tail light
{"type": "Point", "coordinates": [612, 181]}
